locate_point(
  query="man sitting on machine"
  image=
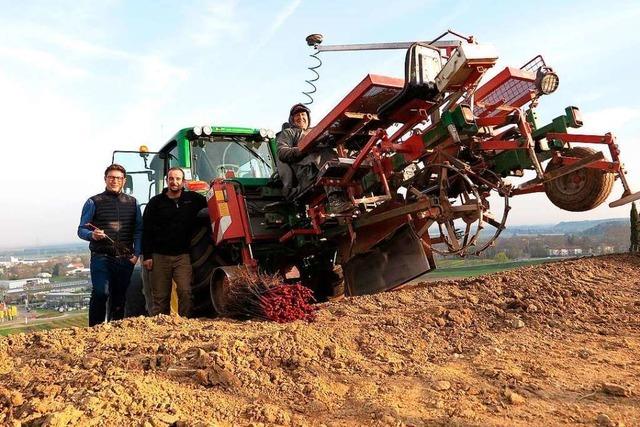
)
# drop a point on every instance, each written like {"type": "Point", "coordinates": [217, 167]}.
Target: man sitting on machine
{"type": "Point", "coordinates": [304, 167]}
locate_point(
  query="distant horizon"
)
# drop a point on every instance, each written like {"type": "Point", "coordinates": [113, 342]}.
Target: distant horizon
{"type": "Point", "coordinates": [79, 242]}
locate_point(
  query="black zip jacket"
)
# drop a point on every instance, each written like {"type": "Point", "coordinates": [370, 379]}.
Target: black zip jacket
{"type": "Point", "coordinates": [168, 224]}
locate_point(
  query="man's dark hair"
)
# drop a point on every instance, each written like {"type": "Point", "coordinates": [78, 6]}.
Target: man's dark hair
{"type": "Point", "coordinates": [176, 168]}
{"type": "Point", "coordinates": [115, 167]}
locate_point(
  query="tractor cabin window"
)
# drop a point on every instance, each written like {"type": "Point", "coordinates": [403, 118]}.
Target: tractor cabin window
{"type": "Point", "coordinates": [226, 156]}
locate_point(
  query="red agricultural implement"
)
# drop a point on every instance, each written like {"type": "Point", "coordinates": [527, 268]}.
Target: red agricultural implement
{"type": "Point", "coordinates": [424, 154]}
{"type": "Point", "coordinates": [419, 158]}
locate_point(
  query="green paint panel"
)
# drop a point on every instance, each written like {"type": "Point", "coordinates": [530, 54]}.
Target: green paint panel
{"type": "Point", "coordinates": [184, 153]}
{"type": "Point", "coordinates": [560, 125]}
{"type": "Point", "coordinates": [234, 130]}
{"type": "Point", "coordinates": [435, 135]}
{"type": "Point", "coordinates": [511, 160]}
{"type": "Point", "coordinates": [252, 182]}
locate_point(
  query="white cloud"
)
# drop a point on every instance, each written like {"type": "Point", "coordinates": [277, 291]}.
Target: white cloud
{"type": "Point", "coordinates": [42, 60]}
{"type": "Point", "coordinates": [157, 75]}
{"type": "Point", "coordinates": [215, 21]}
{"type": "Point", "coordinates": [31, 33]}
{"type": "Point", "coordinates": [278, 21]}
{"type": "Point", "coordinates": [610, 118]}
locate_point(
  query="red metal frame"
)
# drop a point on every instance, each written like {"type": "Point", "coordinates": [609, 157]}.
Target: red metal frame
{"type": "Point", "coordinates": [601, 164]}
{"type": "Point", "coordinates": [607, 139]}
{"type": "Point", "coordinates": [538, 188]}
{"type": "Point", "coordinates": [355, 101]}
{"type": "Point", "coordinates": [508, 80]}
{"type": "Point", "coordinates": [380, 134]}
{"type": "Point", "coordinates": [316, 214]}
{"type": "Point", "coordinates": [499, 144]}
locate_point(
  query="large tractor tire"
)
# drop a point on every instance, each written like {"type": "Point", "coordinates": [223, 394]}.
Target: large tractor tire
{"type": "Point", "coordinates": [203, 261]}
{"type": "Point", "coordinates": [581, 190]}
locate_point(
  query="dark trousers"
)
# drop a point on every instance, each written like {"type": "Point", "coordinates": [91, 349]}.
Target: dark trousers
{"type": "Point", "coordinates": [110, 278]}
{"type": "Point", "coordinates": [165, 269]}
{"type": "Point", "coordinates": [306, 170]}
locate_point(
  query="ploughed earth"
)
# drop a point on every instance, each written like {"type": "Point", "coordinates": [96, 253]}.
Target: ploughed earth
{"type": "Point", "coordinates": [553, 344]}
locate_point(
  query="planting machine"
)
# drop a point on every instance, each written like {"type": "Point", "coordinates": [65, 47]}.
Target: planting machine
{"type": "Point", "coordinates": [419, 157]}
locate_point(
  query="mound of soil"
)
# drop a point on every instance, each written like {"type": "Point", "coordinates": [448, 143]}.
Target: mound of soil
{"type": "Point", "coordinates": [554, 344]}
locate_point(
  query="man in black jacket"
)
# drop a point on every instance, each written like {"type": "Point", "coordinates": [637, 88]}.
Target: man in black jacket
{"type": "Point", "coordinates": [305, 166]}
{"type": "Point", "coordinates": [169, 222]}
{"type": "Point", "coordinates": [112, 223]}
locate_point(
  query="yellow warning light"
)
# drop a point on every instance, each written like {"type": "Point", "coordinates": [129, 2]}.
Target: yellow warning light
{"type": "Point", "coordinates": [143, 149]}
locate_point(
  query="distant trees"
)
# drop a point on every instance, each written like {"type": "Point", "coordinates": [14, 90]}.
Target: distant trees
{"type": "Point", "coordinates": [634, 229]}
{"type": "Point", "coordinates": [501, 257]}
{"type": "Point", "coordinates": [537, 248]}
{"type": "Point", "coordinates": [58, 270]}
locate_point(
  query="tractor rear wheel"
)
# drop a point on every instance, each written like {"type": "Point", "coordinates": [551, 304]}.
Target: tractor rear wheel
{"type": "Point", "coordinates": [203, 261]}
{"type": "Point", "coordinates": [581, 190]}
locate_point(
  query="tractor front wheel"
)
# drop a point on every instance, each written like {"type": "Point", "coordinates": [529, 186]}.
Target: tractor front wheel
{"type": "Point", "coordinates": [203, 261]}
{"type": "Point", "coordinates": [581, 190]}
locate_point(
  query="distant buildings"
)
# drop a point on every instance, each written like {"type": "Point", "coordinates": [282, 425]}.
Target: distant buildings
{"type": "Point", "coordinates": [76, 269]}
{"type": "Point", "coordinates": [564, 251]}
{"type": "Point", "coordinates": [10, 261]}
{"type": "Point", "coordinates": [68, 299]}
{"type": "Point", "coordinates": [37, 289]}
{"type": "Point", "coordinates": [567, 251]}
{"type": "Point", "coordinates": [22, 283]}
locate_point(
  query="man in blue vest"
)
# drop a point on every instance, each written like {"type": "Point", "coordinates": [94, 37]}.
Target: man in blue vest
{"type": "Point", "coordinates": [112, 223]}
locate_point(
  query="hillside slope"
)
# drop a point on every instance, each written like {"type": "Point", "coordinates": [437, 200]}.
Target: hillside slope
{"type": "Point", "coordinates": [555, 344]}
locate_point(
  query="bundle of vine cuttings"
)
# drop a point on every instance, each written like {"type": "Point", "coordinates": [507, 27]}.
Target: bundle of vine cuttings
{"type": "Point", "coordinates": [268, 297]}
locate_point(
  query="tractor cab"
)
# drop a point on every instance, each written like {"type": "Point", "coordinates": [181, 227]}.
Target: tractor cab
{"type": "Point", "coordinates": [205, 154]}
{"type": "Point", "coordinates": [239, 156]}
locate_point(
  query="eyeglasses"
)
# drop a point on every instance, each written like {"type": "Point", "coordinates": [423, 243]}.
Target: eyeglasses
{"type": "Point", "coordinates": [115, 178]}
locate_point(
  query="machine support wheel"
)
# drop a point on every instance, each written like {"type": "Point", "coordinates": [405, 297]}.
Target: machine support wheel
{"type": "Point", "coordinates": [581, 190]}
{"type": "Point", "coordinates": [219, 288]}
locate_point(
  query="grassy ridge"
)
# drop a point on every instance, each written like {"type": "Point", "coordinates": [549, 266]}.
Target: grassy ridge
{"type": "Point", "coordinates": [460, 268]}
{"type": "Point", "coordinates": [79, 319]}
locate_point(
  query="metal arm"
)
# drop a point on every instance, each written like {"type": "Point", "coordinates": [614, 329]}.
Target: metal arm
{"type": "Point", "coordinates": [383, 46]}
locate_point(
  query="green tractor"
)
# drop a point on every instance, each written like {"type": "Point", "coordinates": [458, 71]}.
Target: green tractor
{"type": "Point", "coordinates": [236, 169]}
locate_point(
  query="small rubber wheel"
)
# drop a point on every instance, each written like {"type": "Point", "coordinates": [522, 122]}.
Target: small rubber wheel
{"type": "Point", "coordinates": [581, 190]}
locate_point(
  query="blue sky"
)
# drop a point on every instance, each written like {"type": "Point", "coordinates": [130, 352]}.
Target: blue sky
{"type": "Point", "coordinates": [79, 79]}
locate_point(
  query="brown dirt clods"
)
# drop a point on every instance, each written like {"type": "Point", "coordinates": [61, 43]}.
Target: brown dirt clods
{"type": "Point", "coordinates": [555, 344]}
